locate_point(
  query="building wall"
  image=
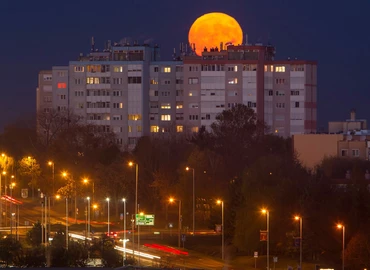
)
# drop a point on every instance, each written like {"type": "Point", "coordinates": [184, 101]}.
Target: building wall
{"type": "Point", "coordinates": [353, 149]}
{"type": "Point", "coordinates": [311, 149]}
{"type": "Point", "coordinates": [44, 96]}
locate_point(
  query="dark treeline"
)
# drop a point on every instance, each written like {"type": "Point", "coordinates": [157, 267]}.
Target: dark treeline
{"type": "Point", "coordinates": [234, 161]}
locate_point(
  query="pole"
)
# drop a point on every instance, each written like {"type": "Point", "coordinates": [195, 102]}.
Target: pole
{"type": "Point", "coordinates": [124, 231]}
{"type": "Point", "coordinates": [88, 216]}
{"type": "Point", "coordinates": [133, 236]}
{"type": "Point", "coordinates": [300, 242]}
{"type": "Point", "coordinates": [67, 238]}
{"type": "Point", "coordinates": [1, 205]}
{"type": "Point", "coordinates": [53, 181]}
{"type": "Point", "coordinates": [193, 202]}
{"type": "Point", "coordinates": [343, 242]}
{"type": "Point", "coordinates": [179, 227]}
{"type": "Point", "coordinates": [16, 228]}
{"type": "Point", "coordinates": [136, 186]}
{"type": "Point", "coordinates": [11, 214]}
{"type": "Point", "coordinates": [223, 233]}
{"type": "Point", "coordinates": [108, 216]}
{"type": "Point", "coordinates": [75, 201]}
{"type": "Point", "coordinates": [42, 222]}
{"type": "Point", "coordinates": [268, 240]}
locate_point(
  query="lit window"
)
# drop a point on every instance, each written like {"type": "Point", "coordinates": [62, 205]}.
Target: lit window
{"type": "Point", "coordinates": [180, 128]}
{"type": "Point", "coordinates": [138, 128]}
{"type": "Point", "coordinates": [154, 129]}
{"type": "Point", "coordinates": [117, 69]}
{"type": "Point", "coordinates": [129, 128]}
{"type": "Point", "coordinates": [166, 106]}
{"type": "Point", "coordinates": [134, 117]}
{"type": "Point", "coordinates": [167, 70]}
{"type": "Point", "coordinates": [79, 69]}
{"type": "Point", "coordinates": [179, 105]}
{"type": "Point", "coordinates": [232, 81]}
{"type": "Point", "coordinates": [62, 85]}
{"type": "Point", "coordinates": [195, 129]}
{"type": "Point", "coordinates": [121, 105]}
{"type": "Point", "coordinates": [280, 69]}
{"type": "Point", "coordinates": [166, 117]}
{"type": "Point", "coordinates": [236, 68]}
{"type": "Point", "coordinates": [153, 81]}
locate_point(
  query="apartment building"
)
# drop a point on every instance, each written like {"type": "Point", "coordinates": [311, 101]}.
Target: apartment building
{"type": "Point", "coordinates": [128, 90]}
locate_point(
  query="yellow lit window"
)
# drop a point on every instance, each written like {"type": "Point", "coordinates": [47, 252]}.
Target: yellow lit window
{"type": "Point", "coordinates": [166, 106]}
{"type": "Point", "coordinates": [153, 81]}
{"type": "Point", "coordinates": [180, 128]}
{"type": "Point", "coordinates": [134, 117]}
{"type": "Point", "coordinates": [232, 81]}
{"type": "Point", "coordinates": [154, 129]}
{"type": "Point", "coordinates": [280, 69]}
{"type": "Point", "coordinates": [167, 70]}
{"type": "Point", "coordinates": [121, 105]}
{"type": "Point", "coordinates": [190, 94]}
{"type": "Point", "coordinates": [129, 128]}
{"type": "Point", "coordinates": [118, 69]}
{"type": "Point", "coordinates": [195, 129]}
{"type": "Point", "coordinates": [236, 68]}
{"type": "Point", "coordinates": [179, 105]}
{"type": "Point", "coordinates": [166, 117]}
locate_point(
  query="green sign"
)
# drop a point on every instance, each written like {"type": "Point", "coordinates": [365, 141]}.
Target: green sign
{"type": "Point", "coordinates": [145, 220]}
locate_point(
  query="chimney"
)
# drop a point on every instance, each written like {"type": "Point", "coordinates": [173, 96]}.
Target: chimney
{"type": "Point", "coordinates": [353, 115]}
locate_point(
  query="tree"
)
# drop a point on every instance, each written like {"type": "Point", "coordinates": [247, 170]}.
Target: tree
{"type": "Point", "coordinates": [34, 257]}
{"type": "Point", "coordinates": [357, 252]}
{"type": "Point", "coordinates": [10, 251]}
{"type": "Point", "coordinates": [33, 236]}
{"type": "Point", "coordinates": [28, 166]}
{"type": "Point", "coordinates": [59, 256]}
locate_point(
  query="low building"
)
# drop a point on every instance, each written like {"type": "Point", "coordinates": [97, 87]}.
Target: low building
{"type": "Point", "coordinates": [348, 125]}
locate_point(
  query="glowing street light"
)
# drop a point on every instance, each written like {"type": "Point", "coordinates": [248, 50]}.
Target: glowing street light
{"type": "Point", "coordinates": [58, 197]}
{"type": "Point", "coordinates": [267, 213]}
{"type": "Point", "coordinates": [222, 228]}
{"type": "Point", "coordinates": [298, 218]}
{"type": "Point", "coordinates": [124, 230]}
{"type": "Point", "coordinates": [341, 226]}
{"type": "Point", "coordinates": [86, 181]}
{"type": "Point", "coordinates": [107, 199]}
{"type": "Point", "coordinates": [52, 165]}
{"type": "Point", "coordinates": [171, 200]}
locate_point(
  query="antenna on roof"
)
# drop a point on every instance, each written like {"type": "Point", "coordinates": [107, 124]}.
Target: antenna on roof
{"type": "Point", "coordinates": [246, 39]}
{"type": "Point", "coordinates": [92, 44]}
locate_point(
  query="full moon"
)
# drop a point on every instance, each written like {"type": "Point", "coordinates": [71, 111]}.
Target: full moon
{"type": "Point", "coordinates": [210, 29]}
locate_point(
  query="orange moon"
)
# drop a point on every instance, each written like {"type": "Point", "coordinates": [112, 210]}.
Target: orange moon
{"type": "Point", "coordinates": [210, 29]}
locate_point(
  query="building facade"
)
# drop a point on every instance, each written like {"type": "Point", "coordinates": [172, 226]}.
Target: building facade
{"type": "Point", "coordinates": [128, 90]}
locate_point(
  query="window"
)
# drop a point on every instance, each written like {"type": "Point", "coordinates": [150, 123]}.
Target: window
{"type": "Point", "coordinates": [179, 81]}
{"type": "Point", "coordinates": [271, 93]}
{"type": "Point", "coordinates": [153, 93]}
{"type": "Point", "coordinates": [93, 68]}
{"type": "Point", "coordinates": [78, 81]}
{"type": "Point", "coordinates": [62, 85]}
{"type": "Point", "coordinates": [296, 104]}
{"type": "Point", "coordinates": [280, 69]}
{"type": "Point", "coordinates": [165, 106]}
{"type": "Point", "coordinates": [62, 96]}
{"type": "Point", "coordinates": [165, 93]}
{"type": "Point", "coordinates": [134, 117]}
{"type": "Point", "coordinates": [294, 92]}
{"type": "Point", "coordinates": [79, 105]}
{"type": "Point", "coordinates": [47, 98]}
{"type": "Point", "coordinates": [251, 104]}
{"type": "Point", "coordinates": [116, 117]}
{"type": "Point", "coordinates": [118, 105]}
{"type": "Point", "coordinates": [134, 80]}
{"type": "Point", "coordinates": [47, 77]}
{"type": "Point", "coordinates": [153, 81]}
{"type": "Point", "coordinates": [193, 117]}
{"type": "Point", "coordinates": [154, 129]}
{"type": "Point", "coordinates": [250, 67]}
{"type": "Point", "coordinates": [79, 93]}
{"type": "Point", "coordinates": [166, 117]}
{"type": "Point", "coordinates": [279, 81]}
{"type": "Point", "coordinates": [61, 73]}
{"type": "Point", "coordinates": [193, 68]}
{"type": "Point", "coordinates": [129, 128]}
{"type": "Point", "coordinates": [280, 93]}
{"type": "Point", "coordinates": [195, 129]}
{"type": "Point", "coordinates": [166, 69]}
{"type": "Point", "coordinates": [156, 69]}
{"type": "Point", "coordinates": [355, 152]}
{"type": "Point", "coordinates": [79, 68]}
{"type": "Point", "coordinates": [232, 81]}
{"type": "Point", "coordinates": [344, 152]}
{"type": "Point", "coordinates": [179, 93]}
{"type": "Point", "coordinates": [193, 80]}
{"type": "Point", "coordinates": [117, 80]}
{"type": "Point", "coordinates": [153, 105]}
{"type": "Point", "coordinates": [297, 68]}
{"type": "Point", "coordinates": [117, 93]}
{"type": "Point", "coordinates": [179, 104]}
{"type": "Point", "coordinates": [179, 128]}
{"type": "Point", "coordinates": [280, 105]}
{"type": "Point", "coordinates": [166, 82]}
{"type": "Point", "coordinates": [193, 93]}
{"type": "Point", "coordinates": [179, 69]}
{"type": "Point", "coordinates": [233, 68]}
{"type": "Point", "coordinates": [138, 129]}
{"type": "Point", "coordinates": [117, 69]}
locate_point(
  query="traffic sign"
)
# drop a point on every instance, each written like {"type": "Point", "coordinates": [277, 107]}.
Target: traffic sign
{"type": "Point", "coordinates": [144, 220]}
{"type": "Point", "coordinates": [183, 237]}
{"type": "Point", "coordinates": [275, 259]}
{"type": "Point", "coordinates": [256, 254]}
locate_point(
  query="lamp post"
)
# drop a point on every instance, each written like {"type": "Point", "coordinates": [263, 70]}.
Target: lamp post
{"type": "Point", "coordinates": [58, 197]}
{"type": "Point", "coordinates": [65, 174]}
{"type": "Point", "coordinates": [51, 163]}
{"type": "Point", "coordinates": [171, 200]}
{"type": "Point", "coordinates": [340, 226]}
{"type": "Point", "coordinates": [124, 230]}
{"type": "Point", "coordinates": [107, 199]}
{"type": "Point", "coordinates": [1, 205]}
{"type": "Point", "coordinates": [300, 239]}
{"type": "Point", "coordinates": [188, 168]}
{"type": "Point", "coordinates": [88, 217]}
{"type": "Point", "coordinates": [222, 228]}
{"type": "Point", "coordinates": [11, 186]}
{"type": "Point", "coordinates": [136, 200]}
{"type": "Point", "coordinates": [86, 181]}
{"type": "Point", "coordinates": [267, 213]}
{"type": "Point", "coordinates": [138, 238]}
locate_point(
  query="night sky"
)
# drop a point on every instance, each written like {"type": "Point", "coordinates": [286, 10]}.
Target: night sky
{"type": "Point", "coordinates": [36, 35]}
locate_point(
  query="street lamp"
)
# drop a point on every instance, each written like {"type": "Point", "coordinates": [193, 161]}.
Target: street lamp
{"type": "Point", "coordinates": [86, 181]}
{"type": "Point", "coordinates": [136, 182]}
{"type": "Point", "coordinates": [222, 228]}
{"type": "Point", "coordinates": [138, 238]}
{"type": "Point", "coordinates": [341, 226]}
{"type": "Point", "coordinates": [171, 200]}
{"type": "Point", "coordinates": [107, 199]}
{"type": "Point", "coordinates": [88, 217]}
{"type": "Point", "coordinates": [58, 197]}
{"type": "Point", "coordinates": [51, 163]}
{"type": "Point", "coordinates": [124, 230]}
{"type": "Point", "coordinates": [11, 186]}
{"type": "Point", "coordinates": [1, 205]}
{"type": "Point", "coordinates": [300, 239]}
{"type": "Point", "coordinates": [188, 169]}
{"type": "Point", "coordinates": [267, 213]}
{"type": "Point", "coordinates": [65, 174]}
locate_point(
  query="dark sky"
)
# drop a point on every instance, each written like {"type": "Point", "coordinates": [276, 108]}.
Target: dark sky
{"type": "Point", "coordinates": [36, 35]}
